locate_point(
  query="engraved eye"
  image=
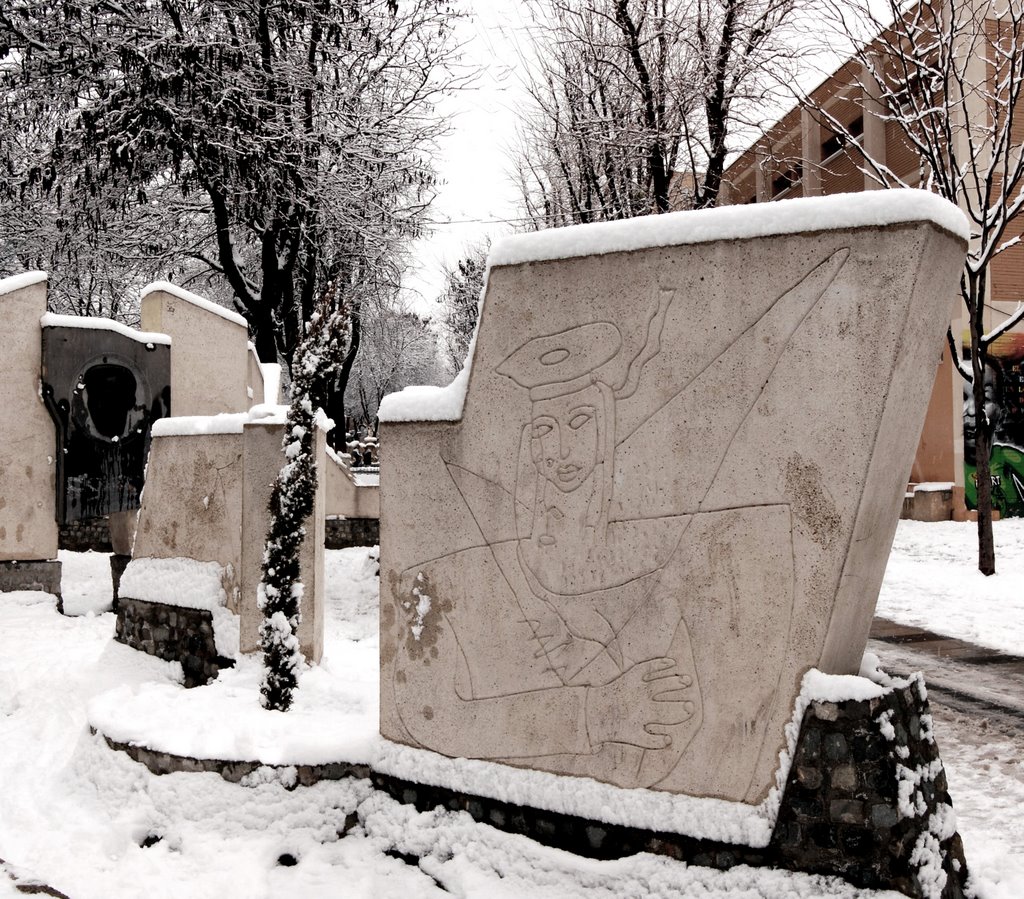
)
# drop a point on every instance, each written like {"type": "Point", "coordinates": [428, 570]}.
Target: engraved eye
{"type": "Point", "coordinates": [580, 419]}
{"type": "Point", "coordinates": [540, 430]}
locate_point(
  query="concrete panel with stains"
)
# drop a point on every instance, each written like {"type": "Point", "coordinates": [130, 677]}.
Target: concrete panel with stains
{"type": "Point", "coordinates": [672, 491]}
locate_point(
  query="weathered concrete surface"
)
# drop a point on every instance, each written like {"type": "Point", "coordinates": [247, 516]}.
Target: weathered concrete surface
{"type": "Point", "coordinates": [206, 499]}
{"type": "Point", "coordinates": [192, 504]}
{"type": "Point", "coordinates": [122, 531]}
{"type": "Point", "coordinates": [254, 376]}
{"type": "Point", "coordinates": [672, 491]}
{"type": "Point", "coordinates": [28, 526]}
{"type": "Point", "coordinates": [209, 353]}
{"type": "Point", "coordinates": [345, 496]}
{"type": "Point", "coordinates": [263, 459]}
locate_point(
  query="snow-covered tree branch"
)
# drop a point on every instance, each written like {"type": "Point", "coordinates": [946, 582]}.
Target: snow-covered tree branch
{"type": "Point", "coordinates": [949, 77]}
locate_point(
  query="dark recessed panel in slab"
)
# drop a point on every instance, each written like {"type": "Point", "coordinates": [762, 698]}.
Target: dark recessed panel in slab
{"type": "Point", "coordinates": [103, 390]}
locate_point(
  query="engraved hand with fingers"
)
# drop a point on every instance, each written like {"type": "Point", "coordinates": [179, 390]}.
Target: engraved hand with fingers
{"type": "Point", "coordinates": [637, 707]}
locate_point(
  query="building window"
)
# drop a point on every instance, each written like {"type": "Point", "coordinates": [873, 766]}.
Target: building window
{"type": "Point", "coordinates": [838, 141]}
{"type": "Point", "coordinates": [787, 179]}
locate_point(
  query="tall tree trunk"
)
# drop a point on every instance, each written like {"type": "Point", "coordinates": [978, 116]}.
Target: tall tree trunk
{"type": "Point", "coordinates": [335, 408]}
{"type": "Point", "coordinates": [983, 429]}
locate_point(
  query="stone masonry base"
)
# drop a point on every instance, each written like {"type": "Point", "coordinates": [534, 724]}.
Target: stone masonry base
{"type": "Point", "coordinates": [86, 534]}
{"type": "Point", "coordinates": [34, 575]}
{"type": "Point", "coordinates": [866, 800]}
{"type": "Point", "coordinates": [172, 633]}
{"type": "Point", "coordinates": [341, 533]}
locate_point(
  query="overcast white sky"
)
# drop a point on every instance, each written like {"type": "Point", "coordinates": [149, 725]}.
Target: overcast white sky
{"type": "Point", "coordinates": [478, 196]}
{"type": "Point", "coordinates": [474, 161]}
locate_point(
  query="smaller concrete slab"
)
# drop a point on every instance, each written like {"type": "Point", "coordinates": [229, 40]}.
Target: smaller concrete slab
{"type": "Point", "coordinates": [209, 483]}
{"type": "Point", "coordinates": [28, 528]}
{"type": "Point", "coordinates": [350, 495]}
{"type": "Point", "coordinates": [210, 366]}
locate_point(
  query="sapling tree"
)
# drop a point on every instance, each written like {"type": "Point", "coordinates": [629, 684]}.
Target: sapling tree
{"type": "Point", "coordinates": [318, 357]}
{"type": "Point", "coordinates": [949, 77]}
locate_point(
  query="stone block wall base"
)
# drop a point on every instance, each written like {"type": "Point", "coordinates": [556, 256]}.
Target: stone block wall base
{"type": "Point", "coordinates": [31, 575]}
{"type": "Point", "coordinates": [84, 535]}
{"type": "Point", "coordinates": [865, 800]}
{"type": "Point", "coordinates": [172, 633]}
{"type": "Point", "coordinates": [234, 771]}
{"type": "Point", "coordinates": [118, 563]}
{"type": "Point", "coordinates": [841, 813]}
{"type": "Point", "coordinates": [341, 533]}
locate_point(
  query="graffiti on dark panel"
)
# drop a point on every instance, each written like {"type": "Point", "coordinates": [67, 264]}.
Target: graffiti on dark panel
{"type": "Point", "coordinates": [103, 390]}
{"type": "Point", "coordinates": [1004, 409]}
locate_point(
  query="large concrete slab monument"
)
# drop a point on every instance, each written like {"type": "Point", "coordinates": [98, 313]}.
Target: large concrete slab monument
{"type": "Point", "coordinates": [665, 487]}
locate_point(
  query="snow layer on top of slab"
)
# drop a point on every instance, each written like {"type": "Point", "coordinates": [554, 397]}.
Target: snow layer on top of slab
{"type": "Point", "coordinates": [809, 214]}
{"type": "Point", "coordinates": [194, 425]}
{"type": "Point", "coordinates": [17, 282]}
{"type": "Point", "coordinates": [822, 687]}
{"type": "Point", "coordinates": [91, 323]}
{"type": "Point", "coordinates": [175, 582]}
{"type": "Point", "coordinates": [196, 300]}
{"type": "Point", "coordinates": [427, 403]}
{"type": "Point", "coordinates": [933, 486]}
{"type": "Point", "coordinates": [230, 422]}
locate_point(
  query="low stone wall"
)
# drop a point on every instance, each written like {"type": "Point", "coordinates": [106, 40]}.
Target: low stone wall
{"type": "Point", "coordinates": [172, 633]}
{"type": "Point", "coordinates": [31, 575]}
{"type": "Point", "coordinates": [84, 535]}
{"type": "Point", "coordinates": [302, 775]}
{"type": "Point", "coordinates": [866, 800]}
{"type": "Point", "coordinates": [341, 533]}
{"type": "Point", "coordinates": [928, 504]}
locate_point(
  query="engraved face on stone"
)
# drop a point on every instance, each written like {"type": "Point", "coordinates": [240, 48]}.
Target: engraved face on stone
{"type": "Point", "coordinates": [565, 437]}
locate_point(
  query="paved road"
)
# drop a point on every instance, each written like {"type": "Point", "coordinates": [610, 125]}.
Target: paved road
{"type": "Point", "coordinates": [963, 676]}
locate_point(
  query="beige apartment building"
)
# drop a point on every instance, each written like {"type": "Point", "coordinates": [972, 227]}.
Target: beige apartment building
{"type": "Point", "coordinates": [801, 155]}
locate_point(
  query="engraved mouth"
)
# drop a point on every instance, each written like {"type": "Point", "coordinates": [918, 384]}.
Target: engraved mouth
{"type": "Point", "coordinates": [567, 473]}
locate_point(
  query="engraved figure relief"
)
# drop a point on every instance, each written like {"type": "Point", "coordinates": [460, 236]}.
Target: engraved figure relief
{"type": "Point", "coordinates": [570, 640]}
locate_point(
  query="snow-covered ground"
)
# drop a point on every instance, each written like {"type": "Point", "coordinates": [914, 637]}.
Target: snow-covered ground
{"type": "Point", "coordinates": [93, 823]}
{"type": "Point", "coordinates": [932, 581]}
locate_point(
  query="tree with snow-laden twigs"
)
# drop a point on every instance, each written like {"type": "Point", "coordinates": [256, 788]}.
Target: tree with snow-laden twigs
{"type": "Point", "coordinates": [635, 102]}
{"type": "Point", "coordinates": [950, 76]}
{"type": "Point", "coordinates": [399, 348]}
{"type": "Point", "coordinates": [285, 146]}
{"type": "Point", "coordinates": [317, 359]}
{"type": "Point", "coordinates": [460, 302]}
